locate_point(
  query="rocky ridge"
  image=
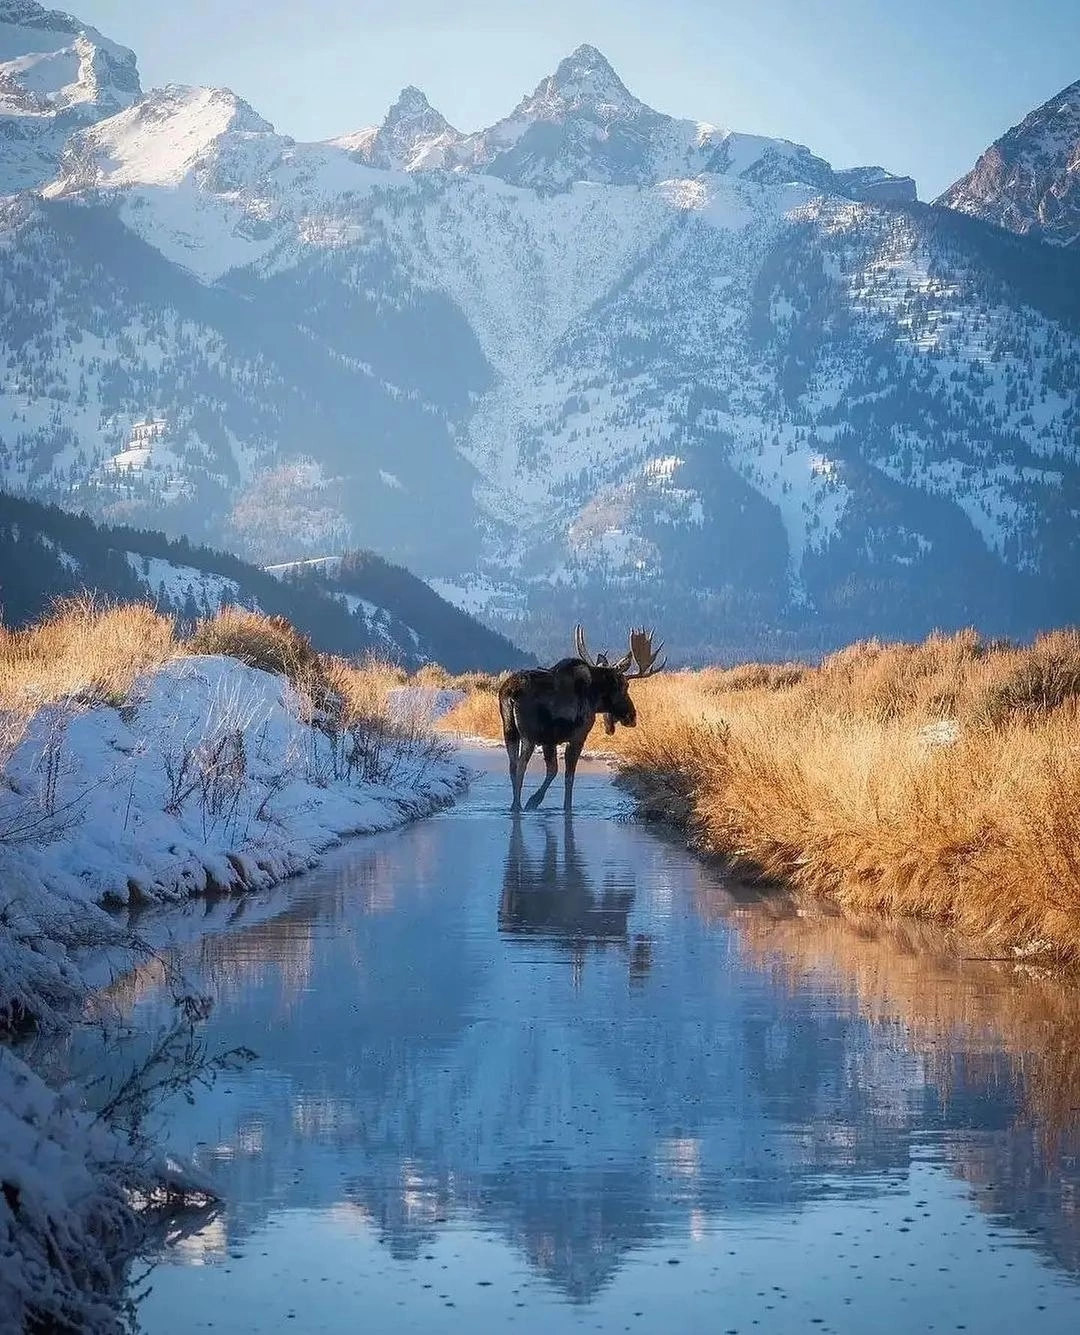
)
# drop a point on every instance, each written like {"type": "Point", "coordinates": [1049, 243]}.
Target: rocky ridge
{"type": "Point", "coordinates": [1029, 179]}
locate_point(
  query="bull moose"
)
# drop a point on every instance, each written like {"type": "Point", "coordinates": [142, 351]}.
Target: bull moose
{"type": "Point", "coordinates": [547, 707]}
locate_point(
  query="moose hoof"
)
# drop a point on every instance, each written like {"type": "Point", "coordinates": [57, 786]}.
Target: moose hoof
{"type": "Point", "coordinates": [534, 802]}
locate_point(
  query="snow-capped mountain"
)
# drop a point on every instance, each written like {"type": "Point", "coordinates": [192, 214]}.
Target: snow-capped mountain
{"type": "Point", "coordinates": [632, 366]}
{"type": "Point", "coordinates": [581, 123]}
{"type": "Point", "coordinates": [1029, 179]}
{"type": "Point", "coordinates": [413, 137]}
{"type": "Point", "coordinates": [55, 75]}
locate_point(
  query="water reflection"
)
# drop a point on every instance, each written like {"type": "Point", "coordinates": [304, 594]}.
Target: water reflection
{"type": "Point", "coordinates": [427, 1063]}
{"type": "Point", "coordinates": [999, 1043]}
{"type": "Point", "coordinates": [547, 893]}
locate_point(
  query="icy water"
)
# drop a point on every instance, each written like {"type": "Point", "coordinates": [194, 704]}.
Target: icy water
{"type": "Point", "coordinates": [545, 1076]}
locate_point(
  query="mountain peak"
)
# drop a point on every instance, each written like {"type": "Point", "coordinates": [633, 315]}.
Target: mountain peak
{"type": "Point", "coordinates": [410, 101]}
{"type": "Point", "coordinates": [413, 114]}
{"type": "Point", "coordinates": [205, 112]}
{"type": "Point", "coordinates": [412, 137]}
{"type": "Point", "coordinates": [29, 14]}
{"type": "Point", "coordinates": [56, 73]}
{"type": "Point", "coordinates": [585, 60]}
{"type": "Point", "coordinates": [583, 82]}
{"type": "Point", "coordinates": [168, 135]}
{"type": "Point", "coordinates": [1029, 180]}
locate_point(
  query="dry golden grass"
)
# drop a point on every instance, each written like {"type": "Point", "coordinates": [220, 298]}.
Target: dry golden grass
{"type": "Point", "coordinates": [270, 643]}
{"type": "Point", "coordinates": [939, 780]}
{"type": "Point", "coordinates": [475, 716]}
{"type": "Point", "coordinates": [82, 649]}
{"type": "Point", "coordinates": [361, 692]}
{"type": "Point", "coordinates": [86, 653]}
{"type": "Point", "coordinates": [342, 694]}
{"type": "Point", "coordinates": [753, 677]}
{"type": "Point", "coordinates": [433, 675]}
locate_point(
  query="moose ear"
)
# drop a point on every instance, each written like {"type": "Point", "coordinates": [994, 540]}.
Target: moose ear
{"type": "Point", "coordinates": [582, 678]}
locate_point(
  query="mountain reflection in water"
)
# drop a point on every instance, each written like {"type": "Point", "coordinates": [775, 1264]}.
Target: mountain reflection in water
{"type": "Point", "coordinates": [569, 1035]}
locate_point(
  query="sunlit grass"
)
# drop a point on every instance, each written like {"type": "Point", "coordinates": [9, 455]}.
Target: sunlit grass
{"type": "Point", "coordinates": [81, 649]}
{"type": "Point", "coordinates": [940, 780]}
{"type": "Point", "coordinates": [86, 653]}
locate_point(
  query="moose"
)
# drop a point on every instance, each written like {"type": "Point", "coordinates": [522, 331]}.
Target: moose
{"type": "Point", "coordinates": [546, 707]}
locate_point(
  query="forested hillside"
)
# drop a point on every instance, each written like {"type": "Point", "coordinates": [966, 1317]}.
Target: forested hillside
{"type": "Point", "coordinates": [47, 553]}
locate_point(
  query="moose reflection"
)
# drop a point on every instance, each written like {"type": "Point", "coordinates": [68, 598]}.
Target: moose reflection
{"type": "Point", "coordinates": [547, 894]}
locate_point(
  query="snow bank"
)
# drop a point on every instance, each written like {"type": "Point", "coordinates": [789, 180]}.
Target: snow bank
{"type": "Point", "coordinates": [65, 1183]}
{"type": "Point", "coordinates": [70, 1188]}
{"type": "Point", "coordinates": [210, 777]}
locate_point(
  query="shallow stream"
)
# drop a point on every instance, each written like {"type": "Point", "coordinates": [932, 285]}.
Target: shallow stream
{"type": "Point", "coordinates": [541, 1075]}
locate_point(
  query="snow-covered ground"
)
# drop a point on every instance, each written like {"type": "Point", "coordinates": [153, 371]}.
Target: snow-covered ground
{"type": "Point", "coordinates": [209, 778]}
{"type": "Point", "coordinates": [69, 1208]}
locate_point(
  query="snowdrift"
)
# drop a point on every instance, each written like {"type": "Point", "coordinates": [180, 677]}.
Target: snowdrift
{"type": "Point", "coordinates": [210, 777]}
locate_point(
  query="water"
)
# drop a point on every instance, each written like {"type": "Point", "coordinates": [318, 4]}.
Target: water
{"type": "Point", "coordinates": [545, 1076]}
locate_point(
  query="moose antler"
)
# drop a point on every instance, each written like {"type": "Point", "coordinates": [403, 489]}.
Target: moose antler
{"type": "Point", "coordinates": [643, 654]}
{"type": "Point", "coordinates": [582, 649]}
{"type": "Point", "coordinates": [640, 652]}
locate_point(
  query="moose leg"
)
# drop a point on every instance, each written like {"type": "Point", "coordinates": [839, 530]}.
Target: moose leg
{"type": "Point", "coordinates": [570, 760]}
{"type": "Point", "coordinates": [552, 763]}
{"type": "Point", "coordinates": [518, 775]}
{"type": "Point", "coordinates": [512, 740]}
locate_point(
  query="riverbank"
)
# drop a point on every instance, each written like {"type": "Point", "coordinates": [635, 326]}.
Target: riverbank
{"type": "Point", "coordinates": [939, 780]}
{"type": "Point", "coordinates": [481, 1034]}
{"type": "Point", "coordinates": [137, 768]}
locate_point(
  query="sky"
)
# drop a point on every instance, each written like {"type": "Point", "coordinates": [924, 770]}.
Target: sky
{"type": "Point", "coordinates": [918, 86]}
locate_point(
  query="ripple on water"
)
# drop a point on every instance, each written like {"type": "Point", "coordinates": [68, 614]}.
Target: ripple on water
{"type": "Point", "coordinates": [545, 1074]}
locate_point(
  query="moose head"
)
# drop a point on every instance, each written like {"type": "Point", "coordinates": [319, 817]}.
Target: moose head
{"type": "Point", "coordinates": [609, 692]}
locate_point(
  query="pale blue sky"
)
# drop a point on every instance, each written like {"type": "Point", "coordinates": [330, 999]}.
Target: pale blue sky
{"type": "Point", "coordinates": [919, 86]}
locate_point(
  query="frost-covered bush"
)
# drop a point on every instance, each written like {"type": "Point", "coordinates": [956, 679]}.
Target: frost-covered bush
{"type": "Point", "coordinates": [67, 1224]}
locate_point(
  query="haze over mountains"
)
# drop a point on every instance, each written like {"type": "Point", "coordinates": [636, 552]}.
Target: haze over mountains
{"type": "Point", "coordinates": [356, 604]}
{"type": "Point", "coordinates": [593, 360]}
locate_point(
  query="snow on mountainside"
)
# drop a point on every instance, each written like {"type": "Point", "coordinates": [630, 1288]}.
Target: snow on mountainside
{"type": "Point", "coordinates": [55, 75]}
{"type": "Point", "coordinates": [203, 178]}
{"type": "Point", "coordinates": [1029, 179]}
{"type": "Point", "coordinates": [637, 366]}
{"type": "Point", "coordinates": [355, 604]}
{"type": "Point", "coordinates": [582, 124]}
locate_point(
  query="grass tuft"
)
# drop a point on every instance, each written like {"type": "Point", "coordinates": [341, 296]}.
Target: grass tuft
{"type": "Point", "coordinates": [85, 649]}
{"type": "Point", "coordinates": [268, 642]}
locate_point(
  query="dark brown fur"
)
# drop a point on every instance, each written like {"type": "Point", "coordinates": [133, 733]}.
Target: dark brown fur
{"type": "Point", "coordinates": [550, 707]}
